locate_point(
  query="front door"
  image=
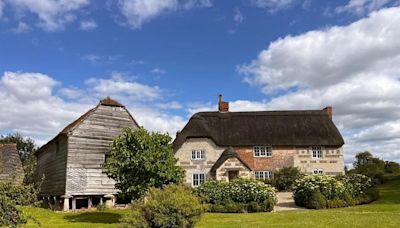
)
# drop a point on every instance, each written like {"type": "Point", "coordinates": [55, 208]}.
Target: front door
{"type": "Point", "coordinates": [232, 174]}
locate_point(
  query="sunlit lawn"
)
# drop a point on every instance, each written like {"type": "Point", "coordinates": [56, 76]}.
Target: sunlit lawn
{"type": "Point", "coordinates": [383, 213]}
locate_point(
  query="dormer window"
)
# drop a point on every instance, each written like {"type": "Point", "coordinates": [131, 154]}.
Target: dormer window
{"type": "Point", "coordinates": [198, 154]}
{"type": "Point", "coordinates": [316, 152]}
{"type": "Point", "coordinates": [262, 151]}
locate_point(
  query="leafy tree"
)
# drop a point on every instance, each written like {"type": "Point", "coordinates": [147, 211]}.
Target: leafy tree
{"type": "Point", "coordinates": [139, 160]}
{"type": "Point", "coordinates": [26, 149]}
{"type": "Point", "coordinates": [369, 165]}
{"type": "Point", "coordinates": [392, 167]}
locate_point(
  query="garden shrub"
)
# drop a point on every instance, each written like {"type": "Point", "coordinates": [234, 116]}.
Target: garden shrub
{"type": "Point", "coordinates": [285, 178]}
{"type": "Point", "coordinates": [317, 191]}
{"type": "Point", "coordinates": [9, 214]}
{"type": "Point", "coordinates": [316, 201]}
{"type": "Point", "coordinates": [240, 195]}
{"type": "Point", "coordinates": [173, 206]}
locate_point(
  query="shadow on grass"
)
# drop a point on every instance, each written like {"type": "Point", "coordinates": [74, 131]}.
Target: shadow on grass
{"type": "Point", "coordinates": [94, 217]}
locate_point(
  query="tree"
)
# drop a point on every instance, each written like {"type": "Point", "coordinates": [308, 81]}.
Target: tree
{"type": "Point", "coordinates": [392, 167]}
{"type": "Point", "coordinates": [139, 160]}
{"type": "Point", "coordinates": [369, 165]}
{"type": "Point", "coordinates": [26, 149]}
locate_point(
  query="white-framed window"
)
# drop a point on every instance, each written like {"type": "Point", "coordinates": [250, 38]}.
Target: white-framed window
{"type": "Point", "coordinates": [262, 151]}
{"type": "Point", "coordinates": [198, 154]}
{"type": "Point", "coordinates": [198, 179]}
{"type": "Point", "coordinates": [318, 171]}
{"type": "Point", "coordinates": [316, 152]}
{"type": "Point", "coordinates": [263, 175]}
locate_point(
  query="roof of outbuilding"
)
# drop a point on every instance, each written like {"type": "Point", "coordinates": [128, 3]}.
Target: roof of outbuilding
{"type": "Point", "coordinates": [283, 128]}
{"type": "Point", "coordinates": [10, 162]}
{"type": "Point", "coordinates": [228, 153]}
{"type": "Point", "coordinates": [106, 101]}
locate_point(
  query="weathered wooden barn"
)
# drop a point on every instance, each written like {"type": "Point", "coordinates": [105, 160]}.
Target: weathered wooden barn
{"type": "Point", "coordinates": [10, 164]}
{"type": "Point", "coordinates": [72, 162]}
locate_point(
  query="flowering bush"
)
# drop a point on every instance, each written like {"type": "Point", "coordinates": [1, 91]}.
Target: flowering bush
{"type": "Point", "coordinates": [317, 191]}
{"type": "Point", "coordinates": [356, 184]}
{"type": "Point", "coordinates": [329, 187]}
{"type": "Point", "coordinates": [240, 195]}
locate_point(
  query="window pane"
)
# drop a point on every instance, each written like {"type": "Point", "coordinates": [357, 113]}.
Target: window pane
{"type": "Point", "coordinates": [193, 154]}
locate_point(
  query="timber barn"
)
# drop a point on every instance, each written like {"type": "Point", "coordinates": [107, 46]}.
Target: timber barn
{"type": "Point", "coordinates": [71, 164]}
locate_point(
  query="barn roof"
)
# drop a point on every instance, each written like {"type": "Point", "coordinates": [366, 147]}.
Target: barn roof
{"type": "Point", "coordinates": [106, 101]}
{"type": "Point", "coordinates": [228, 153]}
{"type": "Point", "coordinates": [283, 128]}
{"type": "Point", "coordinates": [10, 162]}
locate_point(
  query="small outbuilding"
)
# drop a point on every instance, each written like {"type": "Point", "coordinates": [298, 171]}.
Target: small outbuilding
{"type": "Point", "coordinates": [72, 162]}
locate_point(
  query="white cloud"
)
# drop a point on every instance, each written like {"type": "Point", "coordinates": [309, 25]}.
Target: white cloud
{"type": "Point", "coordinates": [52, 14]}
{"type": "Point", "coordinates": [354, 68]}
{"type": "Point", "coordinates": [2, 4]}
{"type": "Point", "coordinates": [88, 25]}
{"type": "Point", "coordinates": [158, 71]}
{"type": "Point", "coordinates": [120, 86]}
{"type": "Point", "coordinates": [238, 16]}
{"type": "Point", "coordinates": [33, 108]}
{"type": "Point", "coordinates": [21, 28]}
{"type": "Point", "coordinates": [362, 7]}
{"type": "Point", "coordinates": [138, 12]}
{"type": "Point", "coordinates": [272, 5]}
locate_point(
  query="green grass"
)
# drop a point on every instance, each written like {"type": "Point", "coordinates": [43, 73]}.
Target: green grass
{"type": "Point", "coordinates": [383, 213]}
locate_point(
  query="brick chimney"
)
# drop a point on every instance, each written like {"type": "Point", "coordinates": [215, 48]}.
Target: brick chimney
{"type": "Point", "coordinates": [223, 106]}
{"type": "Point", "coordinates": [329, 110]}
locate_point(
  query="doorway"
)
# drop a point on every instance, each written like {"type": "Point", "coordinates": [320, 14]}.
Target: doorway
{"type": "Point", "coordinates": [232, 174]}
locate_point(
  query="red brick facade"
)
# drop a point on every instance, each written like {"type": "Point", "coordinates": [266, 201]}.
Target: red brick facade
{"type": "Point", "coordinates": [282, 157]}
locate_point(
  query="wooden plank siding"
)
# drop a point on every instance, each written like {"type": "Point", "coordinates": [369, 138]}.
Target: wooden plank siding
{"type": "Point", "coordinates": [88, 144]}
{"type": "Point", "coordinates": [51, 164]}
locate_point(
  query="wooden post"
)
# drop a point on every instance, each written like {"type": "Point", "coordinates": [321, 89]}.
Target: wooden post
{"type": "Point", "coordinates": [73, 203]}
{"type": "Point", "coordinates": [101, 200]}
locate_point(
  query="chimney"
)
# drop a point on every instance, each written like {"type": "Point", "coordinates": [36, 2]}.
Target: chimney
{"type": "Point", "coordinates": [329, 110]}
{"type": "Point", "coordinates": [223, 106]}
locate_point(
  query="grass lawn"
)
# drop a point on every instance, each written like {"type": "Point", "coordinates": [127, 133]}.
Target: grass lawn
{"type": "Point", "coordinates": [383, 213]}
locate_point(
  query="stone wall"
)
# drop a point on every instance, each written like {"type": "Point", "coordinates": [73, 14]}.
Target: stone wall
{"type": "Point", "coordinates": [332, 161]}
{"type": "Point", "coordinates": [232, 164]}
{"type": "Point", "coordinates": [184, 155]}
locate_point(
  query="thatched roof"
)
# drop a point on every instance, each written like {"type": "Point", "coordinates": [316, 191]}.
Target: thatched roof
{"type": "Point", "coordinates": [228, 153]}
{"type": "Point", "coordinates": [10, 163]}
{"type": "Point", "coordinates": [272, 128]}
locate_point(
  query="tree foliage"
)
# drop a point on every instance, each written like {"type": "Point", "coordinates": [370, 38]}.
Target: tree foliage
{"type": "Point", "coordinates": [392, 167]}
{"type": "Point", "coordinates": [139, 160]}
{"type": "Point", "coordinates": [26, 148]}
{"type": "Point", "coordinates": [365, 163]}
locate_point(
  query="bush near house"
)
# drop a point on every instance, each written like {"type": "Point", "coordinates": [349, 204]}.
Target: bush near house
{"type": "Point", "coordinates": [240, 195]}
{"type": "Point", "coordinates": [285, 178]}
{"type": "Point", "coordinates": [318, 191]}
{"type": "Point", "coordinates": [173, 206]}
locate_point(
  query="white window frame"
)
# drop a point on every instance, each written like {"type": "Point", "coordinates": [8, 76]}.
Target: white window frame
{"type": "Point", "coordinates": [263, 175]}
{"type": "Point", "coordinates": [318, 172]}
{"type": "Point", "coordinates": [317, 152]}
{"type": "Point", "coordinates": [200, 178]}
{"type": "Point", "coordinates": [262, 151]}
{"type": "Point", "coordinates": [198, 154]}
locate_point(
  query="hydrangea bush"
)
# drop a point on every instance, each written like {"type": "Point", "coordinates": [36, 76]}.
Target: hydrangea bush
{"type": "Point", "coordinates": [240, 195]}
{"type": "Point", "coordinates": [318, 191]}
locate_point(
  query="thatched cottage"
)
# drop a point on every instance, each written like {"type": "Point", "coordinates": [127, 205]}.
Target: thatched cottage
{"type": "Point", "coordinates": [10, 164]}
{"type": "Point", "coordinates": [223, 145]}
{"type": "Point", "coordinates": [72, 162]}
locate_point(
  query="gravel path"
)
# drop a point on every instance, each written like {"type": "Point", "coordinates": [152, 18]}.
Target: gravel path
{"type": "Point", "coordinates": [286, 202]}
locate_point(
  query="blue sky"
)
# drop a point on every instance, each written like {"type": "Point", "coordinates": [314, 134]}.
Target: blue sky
{"type": "Point", "coordinates": [167, 59]}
